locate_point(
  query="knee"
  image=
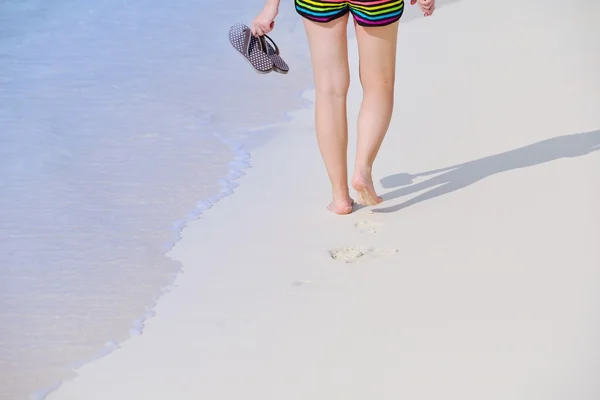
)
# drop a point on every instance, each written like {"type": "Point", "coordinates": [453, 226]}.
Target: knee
{"type": "Point", "coordinates": [378, 86]}
{"type": "Point", "coordinates": [333, 86]}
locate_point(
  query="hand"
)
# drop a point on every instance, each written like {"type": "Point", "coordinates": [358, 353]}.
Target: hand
{"type": "Point", "coordinates": [265, 22]}
{"type": "Point", "coordinates": [427, 6]}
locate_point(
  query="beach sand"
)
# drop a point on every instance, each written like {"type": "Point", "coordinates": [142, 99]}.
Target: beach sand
{"type": "Point", "coordinates": [477, 278]}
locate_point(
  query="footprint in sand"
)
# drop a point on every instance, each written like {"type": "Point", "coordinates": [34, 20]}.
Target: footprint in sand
{"type": "Point", "coordinates": [299, 283]}
{"type": "Point", "coordinates": [368, 227]}
{"type": "Point", "coordinates": [352, 254]}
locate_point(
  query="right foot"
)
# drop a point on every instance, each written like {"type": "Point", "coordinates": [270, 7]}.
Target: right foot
{"type": "Point", "coordinates": [363, 184]}
{"type": "Point", "coordinates": [341, 207]}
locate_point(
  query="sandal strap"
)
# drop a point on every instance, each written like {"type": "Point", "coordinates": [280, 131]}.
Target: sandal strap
{"type": "Point", "coordinates": [248, 42]}
{"type": "Point", "coordinates": [263, 44]}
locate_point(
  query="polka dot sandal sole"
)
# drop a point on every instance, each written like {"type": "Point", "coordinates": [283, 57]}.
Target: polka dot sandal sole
{"type": "Point", "coordinates": [273, 52]}
{"type": "Point", "coordinates": [242, 40]}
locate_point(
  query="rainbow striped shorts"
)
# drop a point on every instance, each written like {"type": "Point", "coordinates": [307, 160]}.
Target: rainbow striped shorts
{"type": "Point", "coordinates": [365, 12]}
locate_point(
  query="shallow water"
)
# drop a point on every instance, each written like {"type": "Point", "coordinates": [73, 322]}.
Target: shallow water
{"type": "Point", "coordinates": [119, 121]}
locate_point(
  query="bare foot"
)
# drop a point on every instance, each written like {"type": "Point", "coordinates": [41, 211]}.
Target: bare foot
{"type": "Point", "coordinates": [363, 184]}
{"type": "Point", "coordinates": [341, 207]}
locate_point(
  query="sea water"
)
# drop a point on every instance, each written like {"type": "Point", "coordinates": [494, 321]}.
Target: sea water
{"type": "Point", "coordinates": [120, 120]}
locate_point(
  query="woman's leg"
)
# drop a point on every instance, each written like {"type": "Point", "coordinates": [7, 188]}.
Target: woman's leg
{"type": "Point", "coordinates": [377, 52]}
{"type": "Point", "coordinates": [329, 54]}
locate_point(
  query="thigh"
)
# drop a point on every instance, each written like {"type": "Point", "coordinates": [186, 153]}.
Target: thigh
{"type": "Point", "coordinates": [328, 42]}
{"type": "Point", "coordinates": [377, 53]}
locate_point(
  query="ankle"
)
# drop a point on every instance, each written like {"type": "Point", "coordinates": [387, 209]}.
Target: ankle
{"type": "Point", "coordinates": [341, 194]}
{"type": "Point", "coordinates": [362, 170]}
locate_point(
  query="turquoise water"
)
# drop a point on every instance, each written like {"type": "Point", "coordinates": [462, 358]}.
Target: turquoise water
{"type": "Point", "coordinates": [120, 120]}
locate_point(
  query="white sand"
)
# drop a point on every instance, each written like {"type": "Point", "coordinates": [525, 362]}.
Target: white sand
{"type": "Point", "coordinates": [487, 289]}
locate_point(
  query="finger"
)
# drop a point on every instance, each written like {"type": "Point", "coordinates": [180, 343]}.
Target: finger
{"type": "Point", "coordinates": [254, 28]}
{"type": "Point", "coordinates": [426, 5]}
{"type": "Point", "coordinates": [259, 31]}
{"type": "Point", "coordinates": [413, 2]}
{"type": "Point", "coordinates": [265, 28]}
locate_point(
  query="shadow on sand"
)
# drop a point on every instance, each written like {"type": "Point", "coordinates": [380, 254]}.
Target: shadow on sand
{"type": "Point", "coordinates": [459, 176]}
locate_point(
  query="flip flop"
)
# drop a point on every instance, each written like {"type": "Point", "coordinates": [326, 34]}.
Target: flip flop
{"type": "Point", "coordinates": [250, 47]}
{"type": "Point", "coordinates": [273, 52]}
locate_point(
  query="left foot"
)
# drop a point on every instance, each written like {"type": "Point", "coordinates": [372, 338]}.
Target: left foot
{"type": "Point", "coordinates": [363, 184]}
